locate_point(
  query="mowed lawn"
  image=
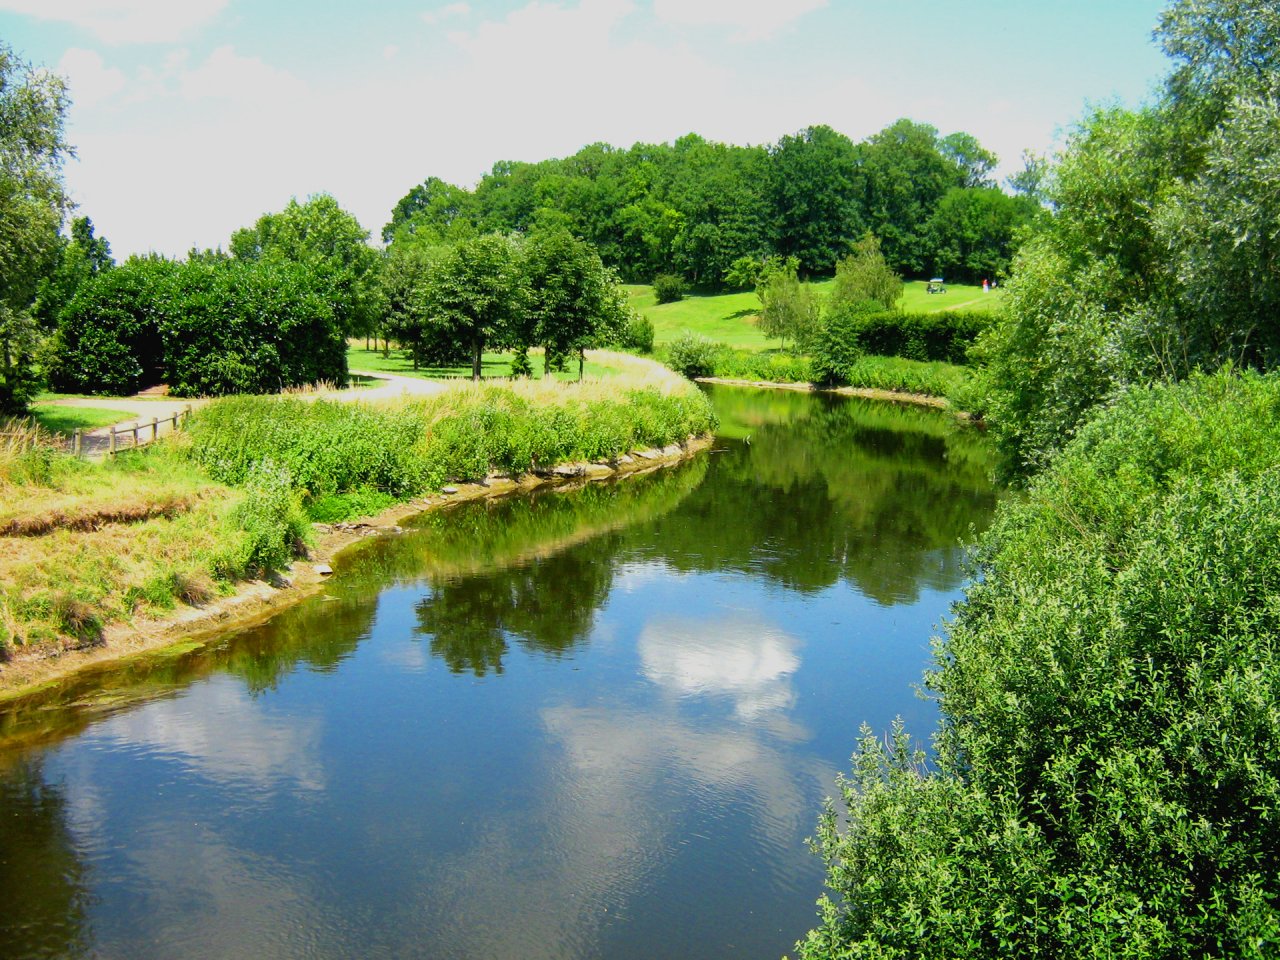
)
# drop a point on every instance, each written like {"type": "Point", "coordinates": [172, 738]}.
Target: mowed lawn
{"type": "Point", "coordinates": [491, 365]}
{"type": "Point", "coordinates": [730, 318]}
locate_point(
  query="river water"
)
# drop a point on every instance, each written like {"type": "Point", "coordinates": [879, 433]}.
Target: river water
{"type": "Point", "coordinates": [591, 723]}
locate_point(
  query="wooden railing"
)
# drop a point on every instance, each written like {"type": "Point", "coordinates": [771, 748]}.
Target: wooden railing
{"type": "Point", "coordinates": [136, 430]}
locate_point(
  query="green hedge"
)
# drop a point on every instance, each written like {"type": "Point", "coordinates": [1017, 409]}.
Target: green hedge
{"type": "Point", "coordinates": [1107, 778]}
{"type": "Point", "coordinates": [205, 328]}
{"type": "Point", "coordinates": [944, 336]}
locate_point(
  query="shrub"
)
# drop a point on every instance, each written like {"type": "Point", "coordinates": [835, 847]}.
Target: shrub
{"type": "Point", "coordinates": [271, 518]}
{"type": "Point", "coordinates": [108, 338]}
{"type": "Point", "coordinates": [1108, 771]}
{"type": "Point", "coordinates": [668, 288]}
{"type": "Point", "coordinates": [837, 345]}
{"type": "Point", "coordinates": [205, 327]}
{"type": "Point", "coordinates": [638, 334]}
{"type": "Point", "coordinates": [693, 356]}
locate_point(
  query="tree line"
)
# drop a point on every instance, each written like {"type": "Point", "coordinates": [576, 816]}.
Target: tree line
{"type": "Point", "coordinates": [694, 207]}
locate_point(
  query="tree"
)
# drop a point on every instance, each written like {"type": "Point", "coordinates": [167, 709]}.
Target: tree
{"type": "Point", "coordinates": [787, 306]}
{"type": "Point", "coordinates": [82, 256]}
{"type": "Point", "coordinates": [572, 300]}
{"type": "Point", "coordinates": [903, 172]}
{"type": "Point", "coordinates": [973, 230]}
{"type": "Point", "coordinates": [33, 105]}
{"type": "Point", "coordinates": [328, 239]}
{"type": "Point", "coordinates": [433, 208]}
{"type": "Point", "coordinates": [864, 275]}
{"type": "Point", "coordinates": [404, 280]}
{"type": "Point", "coordinates": [474, 295]}
{"type": "Point", "coordinates": [815, 195]}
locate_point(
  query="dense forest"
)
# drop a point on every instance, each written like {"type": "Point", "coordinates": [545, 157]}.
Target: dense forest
{"type": "Point", "coordinates": [694, 207]}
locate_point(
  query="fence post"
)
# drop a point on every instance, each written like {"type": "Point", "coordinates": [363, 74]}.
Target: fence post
{"type": "Point", "coordinates": [111, 444]}
{"type": "Point", "coordinates": [155, 428]}
{"type": "Point", "coordinates": [76, 440]}
{"type": "Point", "coordinates": [186, 415]}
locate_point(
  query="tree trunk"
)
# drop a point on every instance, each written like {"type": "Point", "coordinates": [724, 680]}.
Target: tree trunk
{"type": "Point", "coordinates": [582, 360]}
{"type": "Point", "coordinates": [475, 359]}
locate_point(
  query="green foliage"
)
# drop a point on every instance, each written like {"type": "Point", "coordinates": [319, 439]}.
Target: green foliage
{"type": "Point", "coordinates": [108, 338]}
{"type": "Point", "coordinates": [473, 295]}
{"type": "Point", "coordinates": [1107, 777]}
{"type": "Point", "coordinates": [765, 366]}
{"type": "Point", "coordinates": [33, 106]}
{"type": "Point", "coordinates": [708, 212]}
{"type": "Point", "coordinates": [864, 275]}
{"type": "Point", "coordinates": [788, 308]}
{"type": "Point", "coordinates": [838, 344]}
{"type": "Point", "coordinates": [668, 288]}
{"type": "Point", "coordinates": [638, 334]}
{"type": "Point", "coordinates": [693, 356]}
{"type": "Point", "coordinates": [973, 232]}
{"type": "Point", "coordinates": [321, 236]}
{"type": "Point", "coordinates": [569, 300]}
{"type": "Point", "coordinates": [945, 336]}
{"type": "Point", "coordinates": [342, 453]}
{"type": "Point", "coordinates": [272, 521]}
{"type": "Point", "coordinates": [206, 327]}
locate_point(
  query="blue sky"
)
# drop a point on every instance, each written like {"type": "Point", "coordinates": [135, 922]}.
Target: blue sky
{"type": "Point", "coordinates": [193, 117]}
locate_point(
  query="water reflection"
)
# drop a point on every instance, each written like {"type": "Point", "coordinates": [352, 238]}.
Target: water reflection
{"type": "Point", "coordinates": [749, 662]}
{"type": "Point", "coordinates": [578, 724]}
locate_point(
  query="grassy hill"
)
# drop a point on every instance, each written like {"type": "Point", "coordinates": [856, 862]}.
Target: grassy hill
{"type": "Point", "coordinates": [730, 318]}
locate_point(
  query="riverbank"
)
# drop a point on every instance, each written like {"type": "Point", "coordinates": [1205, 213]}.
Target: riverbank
{"type": "Point", "coordinates": [95, 555]}
{"type": "Point", "coordinates": [33, 670]}
{"type": "Point", "coordinates": [866, 393]}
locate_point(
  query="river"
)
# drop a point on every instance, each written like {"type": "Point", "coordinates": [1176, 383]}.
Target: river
{"type": "Point", "coordinates": [577, 724]}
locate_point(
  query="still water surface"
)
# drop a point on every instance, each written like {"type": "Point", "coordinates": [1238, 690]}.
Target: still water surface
{"type": "Point", "coordinates": [596, 723]}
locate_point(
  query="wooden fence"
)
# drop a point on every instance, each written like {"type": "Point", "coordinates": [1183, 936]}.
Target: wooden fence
{"type": "Point", "coordinates": [137, 431]}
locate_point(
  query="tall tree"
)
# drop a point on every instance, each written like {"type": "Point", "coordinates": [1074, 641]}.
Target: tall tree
{"type": "Point", "coordinates": [572, 300]}
{"type": "Point", "coordinates": [815, 193]}
{"type": "Point", "coordinates": [903, 172]}
{"type": "Point", "coordinates": [328, 239]}
{"type": "Point", "coordinates": [33, 105]}
{"type": "Point", "coordinates": [474, 294]}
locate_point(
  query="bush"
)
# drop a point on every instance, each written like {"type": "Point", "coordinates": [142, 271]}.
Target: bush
{"type": "Point", "coordinates": [837, 345]}
{"type": "Point", "coordinates": [208, 328]}
{"type": "Point", "coordinates": [108, 338]}
{"type": "Point", "coordinates": [693, 356]}
{"type": "Point", "coordinates": [1107, 778]}
{"type": "Point", "coordinates": [638, 334]}
{"type": "Point", "coordinates": [272, 521]}
{"type": "Point", "coordinates": [668, 288]}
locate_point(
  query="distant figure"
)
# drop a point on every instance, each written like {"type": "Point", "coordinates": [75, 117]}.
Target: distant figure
{"type": "Point", "coordinates": [985, 286]}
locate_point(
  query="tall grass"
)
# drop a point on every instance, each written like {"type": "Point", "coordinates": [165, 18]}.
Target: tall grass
{"type": "Point", "coordinates": [412, 445]}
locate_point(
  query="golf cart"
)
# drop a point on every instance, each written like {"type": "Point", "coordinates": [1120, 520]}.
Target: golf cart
{"type": "Point", "coordinates": [935, 286]}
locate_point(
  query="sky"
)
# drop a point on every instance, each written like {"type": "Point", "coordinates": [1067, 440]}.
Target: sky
{"type": "Point", "coordinates": [192, 118]}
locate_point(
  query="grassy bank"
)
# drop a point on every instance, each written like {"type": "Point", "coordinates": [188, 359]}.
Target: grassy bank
{"type": "Point", "coordinates": [84, 545]}
{"type": "Point", "coordinates": [730, 318]}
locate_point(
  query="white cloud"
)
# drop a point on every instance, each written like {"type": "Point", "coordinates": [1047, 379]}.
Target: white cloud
{"type": "Point", "coordinates": [228, 75]}
{"type": "Point", "coordinates": [446, 12]}
{"type": "Point", "coordinates": [747, 661]}
{"type": "Point", "coordinates": [746, 19]}
{"type": "Point", "coordinates": [89, 80]}
{"type": "Point", "coordinates": [124, 21]}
